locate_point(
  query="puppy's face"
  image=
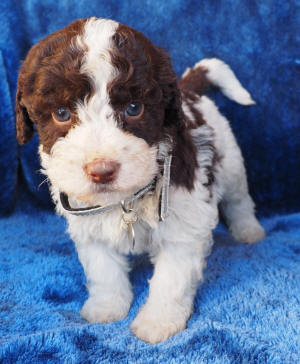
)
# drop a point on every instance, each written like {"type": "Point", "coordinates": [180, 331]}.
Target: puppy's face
{"type": "Point", "coordinates": [102, 98]}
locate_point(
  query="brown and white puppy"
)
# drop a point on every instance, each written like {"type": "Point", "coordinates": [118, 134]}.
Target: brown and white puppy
{"type": "Point", "coordinates": [109, 110]}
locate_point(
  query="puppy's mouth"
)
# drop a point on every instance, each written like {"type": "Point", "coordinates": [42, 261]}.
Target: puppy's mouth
{"type": "Point", "coordinates": [106, 193]}
{"type": "Point", "coordinates": [103, 188]}
{"type": "Point", "coordinates": [97, 190]}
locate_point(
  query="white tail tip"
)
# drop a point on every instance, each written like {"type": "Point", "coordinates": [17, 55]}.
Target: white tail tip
{"type": "Point", "coordinates": [220, 75]}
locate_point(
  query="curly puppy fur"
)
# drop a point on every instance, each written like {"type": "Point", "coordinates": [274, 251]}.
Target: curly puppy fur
{"type": "Point", "coordinates": [94, 68]}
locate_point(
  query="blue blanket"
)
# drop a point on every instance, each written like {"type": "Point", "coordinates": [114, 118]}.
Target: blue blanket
{"type": "Point", "coordinates": [248, 309]}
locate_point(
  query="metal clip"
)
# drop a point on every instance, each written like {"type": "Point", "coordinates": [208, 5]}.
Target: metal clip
{"type": "Point", "coordinates": [129, 217]}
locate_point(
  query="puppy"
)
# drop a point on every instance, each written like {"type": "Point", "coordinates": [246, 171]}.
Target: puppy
{"type": "Point", "coordinates": [137, 162]}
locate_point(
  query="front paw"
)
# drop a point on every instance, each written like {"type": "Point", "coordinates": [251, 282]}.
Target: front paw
{"type": "Point", "coordinates": [156, 327]}
{"type": "Point", "coordinates": [96, 310]}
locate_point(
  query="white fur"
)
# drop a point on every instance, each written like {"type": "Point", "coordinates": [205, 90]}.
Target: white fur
{"type": "Point", "coordinates": [103, 268]}
{"type": "Point", "coordinates": [97, 64]}
{"type": "Point", "coordinates": [187, 111]}
{"type": "Point", "coordinates": [178, 246]}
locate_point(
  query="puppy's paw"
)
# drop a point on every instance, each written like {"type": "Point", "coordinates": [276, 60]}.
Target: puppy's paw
{"type": "Point", "coordinates": [248, 232]}
{"type": "Point", "coordinates": [95, 310]}
{"type": "Point", "coordinates": [155, 328]}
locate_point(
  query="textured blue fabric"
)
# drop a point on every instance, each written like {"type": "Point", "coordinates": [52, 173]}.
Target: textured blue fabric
{"type": "Point", "coordinates": [248, 308]}
{"type": "Point", "coordinates": [246, 311]}
{"type": "Point", "coordinates": [259, 39]}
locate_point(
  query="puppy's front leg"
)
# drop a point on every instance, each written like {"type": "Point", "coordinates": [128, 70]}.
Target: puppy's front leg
{"type": "Point", "coordinates": [109, 288]}
{"type": "Point", "coordinates": [178, 270]}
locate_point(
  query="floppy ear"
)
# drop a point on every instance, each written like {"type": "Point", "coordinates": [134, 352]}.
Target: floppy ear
{"type": "Point", "coordinates": [184, 161]}
{"type": "Point", "coordinates": [171, 93]}
{"type": "Point", "coordinates": [173, 107]}
{"type": "Point", "coordinates": [24, 125]}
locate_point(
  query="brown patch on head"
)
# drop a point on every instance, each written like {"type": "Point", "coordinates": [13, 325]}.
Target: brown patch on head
{"type": "Point", "coordinates": [146, 76]}
{"type": "Point", "coordinates": [49, 79]}
{"type": "Point", "coordinates": [139, 64]}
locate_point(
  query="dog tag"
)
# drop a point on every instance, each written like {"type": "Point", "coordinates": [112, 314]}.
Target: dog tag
{"type": "Point", "coordinates": [131, 234]}
{"type": "Point", "coordinates": [129, 217]}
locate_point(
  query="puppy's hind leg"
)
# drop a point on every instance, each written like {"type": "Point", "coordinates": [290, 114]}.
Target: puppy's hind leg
{"type": "Point", "coordinates": [237, 205]}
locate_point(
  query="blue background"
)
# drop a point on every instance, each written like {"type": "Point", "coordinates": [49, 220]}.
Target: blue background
{"type": "Point", "coordinates": [248, 307]}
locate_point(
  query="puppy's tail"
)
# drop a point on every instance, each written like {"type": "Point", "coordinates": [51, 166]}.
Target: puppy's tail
{"type": "Point", "coordinates": [214, 72]}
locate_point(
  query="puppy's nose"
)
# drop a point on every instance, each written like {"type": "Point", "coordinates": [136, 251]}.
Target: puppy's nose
{"type": "Point", "coordinates": [101, 170]}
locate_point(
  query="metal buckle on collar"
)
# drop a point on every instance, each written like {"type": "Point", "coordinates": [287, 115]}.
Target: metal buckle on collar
{"type": "Point", "coordinates": [129, 216]}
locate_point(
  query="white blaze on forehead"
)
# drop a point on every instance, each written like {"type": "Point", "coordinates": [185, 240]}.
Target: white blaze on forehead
{"type": "Point", "coordinates": [97, 41]}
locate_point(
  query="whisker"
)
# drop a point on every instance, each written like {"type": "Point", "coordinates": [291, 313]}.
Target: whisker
{"type": "Point", "coordinates": [45, 180]}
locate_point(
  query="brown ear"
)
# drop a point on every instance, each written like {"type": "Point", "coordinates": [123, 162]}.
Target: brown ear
{"type": "Point", "coordinates": [167, 80]}
{"type": "Point", "coordinates": [24, 125]}
{"type": "Point", "coordinates": [173, 107]}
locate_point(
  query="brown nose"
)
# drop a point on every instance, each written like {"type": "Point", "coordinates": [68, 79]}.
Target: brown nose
{"type": "Point", "coordinates": [101, 170]}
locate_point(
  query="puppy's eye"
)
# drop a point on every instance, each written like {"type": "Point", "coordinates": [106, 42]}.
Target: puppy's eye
{"type": "Point", "coordinates": [61, 115]}
{"type": "Point", "coordinates": [134, 110]}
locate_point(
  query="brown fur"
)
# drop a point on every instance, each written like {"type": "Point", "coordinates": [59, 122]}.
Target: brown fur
{"type": "Point", "coordinates": [195, 80]}
{"type": "Point", "coordinates": [189, 97]}
{"type": "Point", "coordinates": [49, 79]}
{"type": "Point", "coordinates": [193, 85]}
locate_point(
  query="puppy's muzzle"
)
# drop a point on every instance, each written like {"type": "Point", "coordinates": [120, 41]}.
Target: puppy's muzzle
{"type": "Point", "coordinates": [101, 170]}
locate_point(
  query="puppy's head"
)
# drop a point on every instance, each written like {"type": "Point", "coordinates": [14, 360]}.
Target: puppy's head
{"type": "Point", "coordinates": [103, 99]}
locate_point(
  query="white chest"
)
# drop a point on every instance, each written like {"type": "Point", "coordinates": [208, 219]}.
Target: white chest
{"type": "Point", "coordinates": [110, 228]}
